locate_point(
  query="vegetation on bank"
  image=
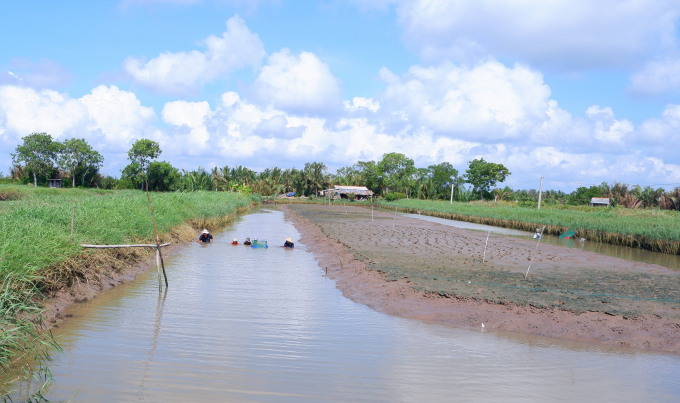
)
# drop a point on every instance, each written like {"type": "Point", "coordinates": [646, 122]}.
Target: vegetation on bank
{"type": "Point", "coordinates": [38, 254]}
{"type": "Point", "coordinates": [652, 229]}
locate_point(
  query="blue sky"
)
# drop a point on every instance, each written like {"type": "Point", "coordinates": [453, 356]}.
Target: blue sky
{"type": "Point", "coordinates": [578, 91]}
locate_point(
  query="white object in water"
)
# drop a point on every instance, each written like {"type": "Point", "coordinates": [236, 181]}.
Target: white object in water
{"type": "Point", "coordinates": [469, 282]}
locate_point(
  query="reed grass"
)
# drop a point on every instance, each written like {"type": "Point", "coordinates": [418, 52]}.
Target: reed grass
{"type": "Point", "coordinates": [37, 253]}
{"type": "Point", "coordinates": [655, 230]}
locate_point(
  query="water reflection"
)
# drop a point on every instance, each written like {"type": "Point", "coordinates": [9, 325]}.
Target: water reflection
{"type": "Point", "coordinates": [244, 324]}
{"type": "Point", "coordinates": [622, 252]}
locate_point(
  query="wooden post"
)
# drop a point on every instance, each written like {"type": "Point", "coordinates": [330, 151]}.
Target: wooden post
{"type": "Point", "coordinates": [540, 191]}
{"type": "Point", "coordinates": [395, 216]}
{"type": "Point", "coordinates": [73, 218]}
{"type": "Point", "coordinates": [371, 207]}
{"type": "Point", "coordinates": [487, 242]}
{"type": "Point", "coordinates": [534, 254]}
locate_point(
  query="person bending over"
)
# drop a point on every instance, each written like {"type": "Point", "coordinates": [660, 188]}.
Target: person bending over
{"type": "Point", "coordinates": [235, 241]}
{"type": "Point", "coordinates": [247, 242]}
{"type": "Point", "coordinates": [205, 237]}
{"type": "Point", "coordinates": [289, 243]}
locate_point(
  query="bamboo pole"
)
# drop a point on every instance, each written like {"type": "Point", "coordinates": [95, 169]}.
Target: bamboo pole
{"type": "Point", "coordinates": [73, 218]}
{"type": "Point", "coordinates": [141, 245]}
{"type": "Point", "coordinates": [158, 240]}
{"type": "Point", "coordinates": [371, 207]}
{"type": "Point", "coordinates": [158, 269]}
{"type": "Point", "coordinates": [487, 242]}
{"type": "Point", "coordinates": [534, 254]}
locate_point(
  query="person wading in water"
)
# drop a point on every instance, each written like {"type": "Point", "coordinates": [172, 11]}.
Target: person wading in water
{"type": "Point", "coordinates": [289, 243]}
{"type": "Point", "coordinates": [205, 237]}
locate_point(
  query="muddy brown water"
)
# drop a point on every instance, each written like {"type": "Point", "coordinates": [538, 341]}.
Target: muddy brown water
{"type": "Point", "coordinates": [243, 324]}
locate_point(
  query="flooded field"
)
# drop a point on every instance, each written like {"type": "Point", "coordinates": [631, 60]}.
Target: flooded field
{"type": "Point", "coordinates": [244, 324]}
{"type": "Point", "coordinates": [622, 252]}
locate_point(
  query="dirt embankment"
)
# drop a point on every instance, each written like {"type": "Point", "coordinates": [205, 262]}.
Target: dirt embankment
{"type": "Point", "coordinates": [423, 270]}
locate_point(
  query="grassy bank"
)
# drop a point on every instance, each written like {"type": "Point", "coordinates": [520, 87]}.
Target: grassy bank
{"type": "Point", "coordinates": [38, 254]}
{"type": "Point", "coordinates": [655, 230]}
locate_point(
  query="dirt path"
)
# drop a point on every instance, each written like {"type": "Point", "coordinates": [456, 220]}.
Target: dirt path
{"type": "Point", "coordinates": [419, 269]}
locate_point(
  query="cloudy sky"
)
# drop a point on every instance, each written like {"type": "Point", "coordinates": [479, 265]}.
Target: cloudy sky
{"type": "Point", "coordinates": [577, 91]}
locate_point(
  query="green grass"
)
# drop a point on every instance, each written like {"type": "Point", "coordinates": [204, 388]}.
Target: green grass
{"type": "Point", "coordinates": [35, 226]}
{"type": "Point", "coordinates": [657, 230]}
{"type": "Point", "coordinates": [34, 230]}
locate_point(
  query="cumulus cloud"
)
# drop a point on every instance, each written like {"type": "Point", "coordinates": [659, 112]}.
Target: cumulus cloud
{"type": "Point", "coordinates": [570, 35]}
{"type": "Point", "coordinates": [359, 103]}
{"type": "Point", "coordinates": [487, 102]}
{"type": "Point", "coordinates": [300, 83]}
{"type": "Point", "coordinates": [108, 117]}
{"type": "Point", "coordinates": [444, 112]}
{"type": "Point", "coordinates": [186, 72]}
{"type": "Point", "coordinates": [45, 74]}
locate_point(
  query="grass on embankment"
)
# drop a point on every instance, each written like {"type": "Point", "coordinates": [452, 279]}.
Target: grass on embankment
{"type": "Point", "coordinates": [655, 230]}
{"type": "Point", "coordinates": [37, 253]}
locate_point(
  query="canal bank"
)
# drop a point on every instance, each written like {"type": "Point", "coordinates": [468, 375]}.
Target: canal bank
{"type": "Point", "coordinates": [423, 270]}
{"type": "Point", "coordinates": [245, 324]}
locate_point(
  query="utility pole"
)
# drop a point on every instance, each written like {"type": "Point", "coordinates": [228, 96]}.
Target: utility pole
{"type": "Point", "coordinates": [540, 191]}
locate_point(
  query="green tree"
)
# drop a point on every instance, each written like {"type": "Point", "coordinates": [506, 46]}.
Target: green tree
{"type": "Point", "coordinates": [396, 169]}
{"type": "Point", "coordinates": [484, 175]}
{"type": "Point", "coordinates": [583, 195]}
{"type": "Point", "coordinates": [78, 155]}
{"type": "Point", "coordinates": [163, 177]}
{"type": "Point", "coordinates": [317, 175]}
{"type": "Point", "coordinates": [132, 174]}
{"type": "Point", "coordinates": [444, 175]}
{"type": "Point", "coordinates": [38, 152]}
{"type": "Point", "coordinates": [143, 151]}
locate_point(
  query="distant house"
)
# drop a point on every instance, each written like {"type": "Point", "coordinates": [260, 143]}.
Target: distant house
{"type": "Point", "coordinates": [599, 202]}
{"type": "Point", "coordinates": [347, 192]}
{"type": "Point", "coordinates": [54, 183]}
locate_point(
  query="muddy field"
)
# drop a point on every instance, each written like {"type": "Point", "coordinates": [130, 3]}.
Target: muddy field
{"type": "Point", "coordinates": [440, 262]}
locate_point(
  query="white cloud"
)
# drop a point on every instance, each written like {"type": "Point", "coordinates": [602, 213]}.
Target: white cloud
{"type": "Point", "coordinates": [108, 117]}
{"type": "Point", "coordinates": [657, 77]}
{"type": "Point", "coordinates": [186, 72]}
{"type": "Point", "coordinates": [485, 102]}
{"type": "Point", "coordinates": [301, 83]}
{"type": "Point", "coordinates": [445, 112]}
{"type": "Point", "coordinates": [361, 103]}
{"type": "Point", "coordinates": [565, 34]}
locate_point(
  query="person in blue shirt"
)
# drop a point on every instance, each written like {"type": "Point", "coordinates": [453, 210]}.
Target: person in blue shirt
{"type": "Point", "coordinates": [205, 237]}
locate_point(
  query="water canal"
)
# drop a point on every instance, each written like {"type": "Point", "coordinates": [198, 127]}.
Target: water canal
{"type": "Point", "coordinates": [244, 324]}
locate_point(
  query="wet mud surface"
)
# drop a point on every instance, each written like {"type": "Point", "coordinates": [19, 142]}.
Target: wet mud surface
{"type": "Point", "coordinates": [435, 272]}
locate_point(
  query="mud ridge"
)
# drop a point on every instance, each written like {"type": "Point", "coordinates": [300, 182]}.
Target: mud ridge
{"type": "Point", "coordinates": [359, 276]}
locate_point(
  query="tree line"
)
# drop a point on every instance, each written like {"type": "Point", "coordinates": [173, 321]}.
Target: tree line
{"type": "Point", "coordinates": [394, 176]}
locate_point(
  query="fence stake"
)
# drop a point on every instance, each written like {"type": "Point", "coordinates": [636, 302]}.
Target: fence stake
{"type": "Point", "coordinates": [487, 242]}
{"type": "Point", "coordinates": [73, 217]}
{"type": "Point", "coordinates": [534, 254]}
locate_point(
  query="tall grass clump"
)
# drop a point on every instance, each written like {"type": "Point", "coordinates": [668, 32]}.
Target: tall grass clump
{"type": "Point", "coordinates": [38, 254]}
{"type": "Point", "coordinates": [655, 230]}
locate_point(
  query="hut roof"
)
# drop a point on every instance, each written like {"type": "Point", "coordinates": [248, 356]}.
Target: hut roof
{"type": "Point", "coordinates": [357, 190]}
{"type": "Point", "coordinates": [599, 200]}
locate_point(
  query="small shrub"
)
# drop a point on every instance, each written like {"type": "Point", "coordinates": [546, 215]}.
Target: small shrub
{"type": "Point", "coordinates": [394, 196]}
